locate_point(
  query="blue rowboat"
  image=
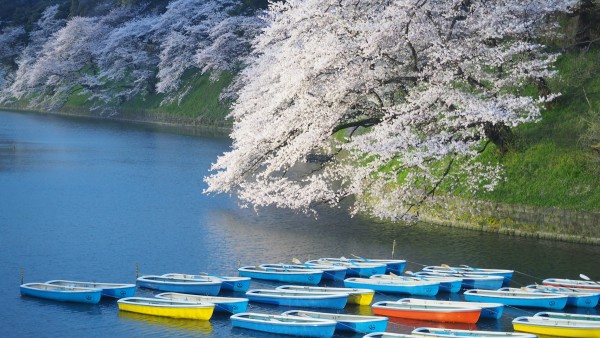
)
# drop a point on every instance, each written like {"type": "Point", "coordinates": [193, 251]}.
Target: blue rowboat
{"type": "Point", "coordinates": [61, 293]}
{"type": "Point", "coordinates": [222, 304]}
{"type": "Point", "coordinates": [352, 323]}
{"type": "Point", "coordinates": [411, 287]}
{"type": "Point", "coordinates": [470, 281]}
{"type": "Point", "coordinates": [447, 283]}
{"type": "Point", "coordinates": [237, 284]}
{"type": "Point", "coordinates": [395, 266]}
{"type": "Point", "coordinates": [356, 296]}
{"type": "Point", "coordinates": [488, 310]}
{"type": "Point", "coordinates": [299, 298]}
{"type": "Point", "coordinates": [284, 325]}
{"type": "Point", "coordinates": [441, 332]}
{"type": "Point", "coordinates": [355, 268]}
{"type": "Point", "coordinates": [331, 272]}
{"type": "Point", "coordinates": [465, 269]}
{"type": "Point", "coordinates": [577, 297]}
{"type": "Point", "coordinates": [183, 285]}
{"type": "Point", "coordinates": [518, 298]}
{"type": "Point", "coordinates": [301, 276]}
{"type": "Point", "coordinates": [112, 290]}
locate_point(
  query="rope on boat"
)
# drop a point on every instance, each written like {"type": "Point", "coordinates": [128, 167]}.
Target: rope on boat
{"type": "Point", "coordinates": [528, 275]}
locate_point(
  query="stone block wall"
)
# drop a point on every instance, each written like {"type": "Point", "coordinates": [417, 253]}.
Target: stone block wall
{"type": "Point", "coordinates": [519, 220]}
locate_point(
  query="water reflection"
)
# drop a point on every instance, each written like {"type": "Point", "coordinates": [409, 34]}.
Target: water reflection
{"type": "Point", "coordinates": [64, 307]}
{"type": "Point", "coordinates": [170, 326]}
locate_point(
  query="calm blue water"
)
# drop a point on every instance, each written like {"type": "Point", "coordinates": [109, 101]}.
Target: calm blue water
{"type": "Point", "coordinates": [88, 200]}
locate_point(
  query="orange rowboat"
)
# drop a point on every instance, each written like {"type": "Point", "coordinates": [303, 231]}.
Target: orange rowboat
{"type": "Point", "coordinates": [436, 313]}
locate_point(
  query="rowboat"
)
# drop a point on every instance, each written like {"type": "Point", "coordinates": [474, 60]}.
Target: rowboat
{"type": "Point", "coordinates": [557, 327]}
{"type": "Point", "coordinates": [167, 308]}
{"type": "Point", "coordinates": [447, 283]}
{"type": "Point", "coordinates": [572, 283]}
{"type": "Point", "coordinates": [441, 332]}
{"type": "Point", "coordinates": [356, 296]}
{"type": "Point", "coordinates": [465, 269]}
{"type": "Point", "coordinates": [61, 293]}
{"type": "Point", "coordinates": [284, 325]}
{"type": "Point", "coordinates": [518, 298]}
{"type": "Point", "coordinates": [396, 266]}
{"type": "Point", "coordinates": [237, 284]}
{"type": "Point", "coordinates": [354, 268]}
{"type": "Point", "coordinates": [488, 310]}
{"type": "Point", "coordinates": [412, 287]}
{"type": "Point", "coordinates": [331, 272]}
{"type": "Point", "coordinates": [222, 304]}
{"type": "Point", "coordinates": [577, 297]}
{"type": "Point", "coordinates": [569, 316]}
{"type": "Point", "coordinates": [113, 290]}
{"type": "Point", "coordinates": [470, 281]}
{"type": "Point", "coordinates": [302, 276]}
{"type": "Point", "coordinates": [436, 313]}
{"type": "Point", "coordinates": [353, 323]}
{"type": "Point", "coordinates": [205, 286]}
{"type": "Point", "coordinates": [299, 298]}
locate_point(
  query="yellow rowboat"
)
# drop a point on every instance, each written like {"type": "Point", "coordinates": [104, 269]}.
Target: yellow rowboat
{"type": "Point", "coordinates": [356, 295]}
{"type": "Point", "coordinates": [167, 308]}
{"type": "Point", "coordinates": [557, 327]}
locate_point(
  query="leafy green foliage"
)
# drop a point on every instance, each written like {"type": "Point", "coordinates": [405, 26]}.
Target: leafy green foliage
{"type": "Point", "coordinates": [549, 164]}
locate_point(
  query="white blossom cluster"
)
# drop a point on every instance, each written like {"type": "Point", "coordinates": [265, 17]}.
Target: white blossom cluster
{"type": "Point", "coordinates": [381, 100]}
{"type": "Point", "coordinates": [124, 53]}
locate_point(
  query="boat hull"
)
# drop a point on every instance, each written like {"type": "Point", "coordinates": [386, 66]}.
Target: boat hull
{"type": "Point", "coordinates": [351, 323]}
{"type": "Point", "coordinates": [300, 277]}
{"type": "Point", "coordinates": [209, 288]}
{"type": "Point", "coordinates": [281, 327]}
{"type": "Point", "coordinates": [111, 290]}
{"type": "Point", "coordinates": [430, 289]}
{"type": "Point", "coordinates": [236, 284]}
{"type": "Point", "coordinates": [522, 324]}
{"type": "Point", "coordinates": [448, 315]}
{"type": "Point", "coordinates": [189, 311]}
{"type": "Point", "coordinates": [331, 301]}
{"type": "Point", "coordinates": [488, 310]}
{"type": "Point", "coordinates": [505, 274]}
{"type": "Point", "coordinates": [572, 283]}
{"type": "Point", "coordinates": [222, 304]}
{"type": "Point", "coordinates": [555, 303]}
{"type": "Point", "coordinates": [61, 293]}
{"type": "Point", "coordinates": [355, 295]}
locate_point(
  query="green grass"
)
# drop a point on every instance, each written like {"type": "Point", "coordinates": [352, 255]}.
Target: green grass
{"type": "Point", "coordinates": [548, 165]}
{"type": "Point", "coordinates": [202, 100]}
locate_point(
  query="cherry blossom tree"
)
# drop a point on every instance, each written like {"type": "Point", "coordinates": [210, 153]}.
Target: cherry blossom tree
{"type": "Point", "coordinates": [382, 100]}
{"type": "Point", "coordinates": [45, 27]}
{"type": "Point", "coordinates": [10, 47]}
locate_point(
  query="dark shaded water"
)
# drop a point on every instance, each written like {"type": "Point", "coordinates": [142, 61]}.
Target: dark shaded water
{"type": "Point", "coordinates": [87, 200]}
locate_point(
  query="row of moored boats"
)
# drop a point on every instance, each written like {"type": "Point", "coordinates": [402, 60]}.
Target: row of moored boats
{"type": "Point", "coordinates": [487, 292]}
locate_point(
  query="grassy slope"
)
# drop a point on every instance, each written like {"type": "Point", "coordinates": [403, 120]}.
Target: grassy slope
{"type": "Point", "coordinates": [548, 165]}
{"type": "Point", "coordinates": [201, 101]}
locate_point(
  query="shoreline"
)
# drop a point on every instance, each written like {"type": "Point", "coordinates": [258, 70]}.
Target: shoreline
{"type": "Point", "coordinates": [514, 220]}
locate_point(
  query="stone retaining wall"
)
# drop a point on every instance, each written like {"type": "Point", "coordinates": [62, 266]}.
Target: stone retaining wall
{"type": "Point", "coordinates": [518, 220]}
